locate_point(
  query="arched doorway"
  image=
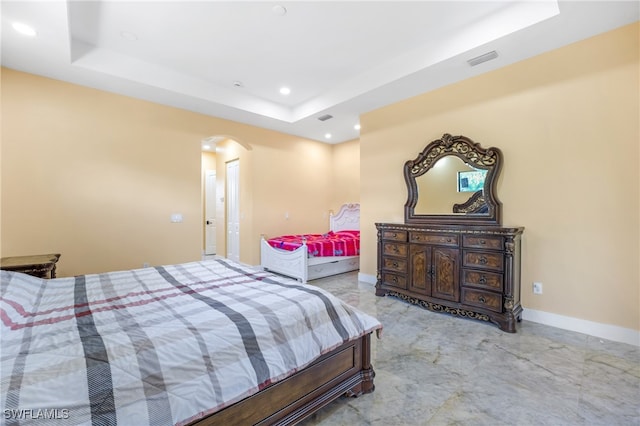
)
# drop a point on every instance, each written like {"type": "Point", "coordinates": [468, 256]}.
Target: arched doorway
{"type": "Point", "coordinates": [222, 158]}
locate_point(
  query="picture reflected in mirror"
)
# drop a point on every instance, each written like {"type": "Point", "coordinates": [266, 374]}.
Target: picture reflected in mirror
{"type": "Point", "coordinates": [471, 181]}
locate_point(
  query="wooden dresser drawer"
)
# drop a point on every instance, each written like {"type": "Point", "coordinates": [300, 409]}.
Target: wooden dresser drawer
{"type": "Point", "coordinates": [394, 280]}
{"type": "Point", "coordinates": [484, 242]}
{"type": "Point", "coordinates": [488, 280]}
{"type": "Point", "coordinates": [483, 260]}
{"type": "Point", "coordinates": [482, 299]}
{"type": "Point", "coordinates": [394, 235]}
{"type": "Point", "coordinates": [393, 264]}
{"type": "Point", "coordinates": [394, 249]}
{"type": "Point", "coordinates": [440, 239]}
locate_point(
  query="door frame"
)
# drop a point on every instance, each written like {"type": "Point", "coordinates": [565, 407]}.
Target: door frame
{"type": "Point", "coordinates": [232, 209]}
{"type": "Point", "coordinates": [210, 211]}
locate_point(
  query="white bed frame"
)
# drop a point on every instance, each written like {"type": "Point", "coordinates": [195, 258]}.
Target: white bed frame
{"type": "Point", "coordinates": [297, 264]}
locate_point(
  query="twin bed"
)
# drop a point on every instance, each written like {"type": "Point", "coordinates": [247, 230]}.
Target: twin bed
{"type": "Point", "coordinates": [201, 343]}
{"type": "Point", "coordinates": [311, 256]}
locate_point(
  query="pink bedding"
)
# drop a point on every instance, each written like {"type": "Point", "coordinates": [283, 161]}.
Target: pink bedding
{"type": "Point", "coordinates": [339, 243]}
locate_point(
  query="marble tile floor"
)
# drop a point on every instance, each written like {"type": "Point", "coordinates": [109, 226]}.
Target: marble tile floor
{"type": "Point", "coordinates": [437, 369]}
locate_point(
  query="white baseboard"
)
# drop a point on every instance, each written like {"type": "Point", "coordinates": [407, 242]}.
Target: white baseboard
{"type": "Point", "coordinates": [596, 329]}
{"type": "Point", "coordinates": [603, 331]}
{"type": "Point", "coordinates": [366, 278]}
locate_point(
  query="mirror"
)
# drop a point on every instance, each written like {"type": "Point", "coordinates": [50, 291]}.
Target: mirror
{"type": "Point", "coordinates": [453, 181]}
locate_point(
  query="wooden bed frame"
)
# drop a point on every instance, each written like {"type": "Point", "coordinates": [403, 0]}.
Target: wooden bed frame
{"type": "Point", "coordinates": [346, 370]}
{"type": "Point", "coordinates": [297, 264]}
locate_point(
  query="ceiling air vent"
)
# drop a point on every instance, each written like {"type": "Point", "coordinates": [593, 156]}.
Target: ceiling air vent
{"type": "Point", "coordinates": [483, 58]}
{"type": "Point", "coordinates": [325, 117]}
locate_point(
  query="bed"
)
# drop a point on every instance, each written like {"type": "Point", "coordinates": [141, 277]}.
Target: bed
{"type": "Point", "coordinates": [304, 263]}
{"type": "Point", "coordinates": [202, 343]}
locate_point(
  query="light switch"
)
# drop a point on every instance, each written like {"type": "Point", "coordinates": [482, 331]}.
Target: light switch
{"type": "Point", "coordinates": [176, 218]}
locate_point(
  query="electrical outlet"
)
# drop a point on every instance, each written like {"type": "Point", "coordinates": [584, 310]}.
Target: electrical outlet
{"type": "Point", "coordinates": [145, 265]}
{"type": "Point", "coordinates": [537, 288]}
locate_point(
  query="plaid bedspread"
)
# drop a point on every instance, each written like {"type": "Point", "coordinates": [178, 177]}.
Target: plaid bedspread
{"type": "Point", "coordinates": [339, 243]}
{"type": "Point", "coordinates": [163, 345]}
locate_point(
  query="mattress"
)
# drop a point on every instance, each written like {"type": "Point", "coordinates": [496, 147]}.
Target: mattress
{"type": "Point", "coordinates": [338, 243]}
{"type": "Point", "coordinates": [162, 345]}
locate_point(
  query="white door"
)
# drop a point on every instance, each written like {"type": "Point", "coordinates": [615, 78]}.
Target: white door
{"type": "Point", "coordinates": [210, 212]}
{"type": "Point", "coordinates": [233, 210]}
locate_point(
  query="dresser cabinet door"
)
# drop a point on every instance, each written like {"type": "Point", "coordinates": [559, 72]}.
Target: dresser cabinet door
{"type": "Point", "coordinates": [445, 274]}
{"type": "Point", "coordinates": [434, 271]}
{"type": "Point", "coordinates": [419, 268]}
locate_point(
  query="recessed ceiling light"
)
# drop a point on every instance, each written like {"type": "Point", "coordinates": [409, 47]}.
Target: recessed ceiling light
{"type": "Point", "coordinates": [327, 135]}
{"type": "Point", "coordinates": [285, 91]}
{"type": "Point", "coordinates": [206, 146]}
{"type": "Point", "coordinates": [128, 35]}
{"type": "Point", "coordinates": [24, 29]}
{"type": "Point", "coordinates": [279, 10]}
{"type": "Point", "coordinates": [357, 127]}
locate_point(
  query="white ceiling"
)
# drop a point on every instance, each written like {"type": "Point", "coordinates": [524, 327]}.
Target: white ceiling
{"type": "Point", "coordinates": [343, 58]}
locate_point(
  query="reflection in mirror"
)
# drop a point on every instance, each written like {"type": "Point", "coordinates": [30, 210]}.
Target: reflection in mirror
{"type": "Point", "coordinates": [453, 181]}
{"type": "Point", "coordinates": [445, 185]}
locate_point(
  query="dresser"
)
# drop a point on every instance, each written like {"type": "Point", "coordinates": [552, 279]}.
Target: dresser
{"type": "Point", "coordinates": [452, 254]}
{"type": "Point", "coordinates": [469, 271]}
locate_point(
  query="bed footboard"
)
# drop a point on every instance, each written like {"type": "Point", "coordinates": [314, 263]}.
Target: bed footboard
{"type": "Point", "coordinates": [293, 264]}
{"type": "Point", "coordinates": [298, 265]}
{"type": "Point", "coordinates": [346, 370]}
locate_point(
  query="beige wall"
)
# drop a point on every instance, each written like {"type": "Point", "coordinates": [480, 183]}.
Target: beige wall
{"type": "Point", "coordinates": [568, 124]}
{"type": "Point", "coordinates": [96, 176]}
{"type": "Point", "coordinates": [285, 188]}
{"type": "Point", "coordinates": [345, 173]}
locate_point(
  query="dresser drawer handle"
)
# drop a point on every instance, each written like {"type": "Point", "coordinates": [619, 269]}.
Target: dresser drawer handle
{"type": "Point", "coordinates": [482, 280]}
{"type": "Point", "coordinates": [483, 242]}
{"type": "Point", "coordinates": [395, 264]}
{"type": "Point", "coordinates": [449, 240]}
{"type": "Point", "coordinates": [483, 260]}
{"type": "Point", "coordinates": [481, 299]}
{"type": "Point", "coordinates": [394, 279]}
{"type": "Point", "coordinates": [395, 249]}
{"type": "Point", "coordinates": [394, 235]}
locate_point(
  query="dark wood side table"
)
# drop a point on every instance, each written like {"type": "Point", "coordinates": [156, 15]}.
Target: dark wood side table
{"type": "Point", "coordinates": [39, 265]}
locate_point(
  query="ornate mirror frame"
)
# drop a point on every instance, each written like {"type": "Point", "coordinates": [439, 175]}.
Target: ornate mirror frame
{"type": "Point", "coordinates": [471, 153]}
